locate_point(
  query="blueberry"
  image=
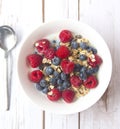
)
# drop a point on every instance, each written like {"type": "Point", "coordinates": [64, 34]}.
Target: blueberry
{"type": "Point", "coordinates": [56, 61]}
{"type": "Point", "coordinates": [43, 83]}
{"type": "Point", "coordinates": [89, 71]}
{"type": "Point", "coordinates": [89, 49]}
{"type": "Point", "coordinates": [56, 74]}
{"type": "Point", "coordinates": [60, 88]}
{"type": "Point", "coordinates": [45, 90]}
{"type": "Point", "coordinates": [63, 76]}
{"type": "Point", "coordinates": [77, 67]}
{"type": "Point", "coordinates": [83, 69]}
{"type": "Point", "coordinates": [66, 84]}
{"type": "Point", "coordinates": [54, 41]}
{"type": "Point", "coordinates": [38, 87]}
{"type": "Point", "coordinates": [83, 75]}
{"type": "Point", "coordinates": [83, 57]}
{"type": "Point", "coordinates": [83, 45]}
{"type": "Point", "coordinates": [49, 70]}
{"type": "Point", "coordinates": [95, 69]}
{"type": "Point", "coordinates": [59, 82]}
{"type": "Point", "coordinates": [92, 70]}
{"type": "Point", "coordinates": [53, 81]}
{"type": "Point", "coordinates": [94, 50]}
{"type": "Point", "coordinates": [74, 44]}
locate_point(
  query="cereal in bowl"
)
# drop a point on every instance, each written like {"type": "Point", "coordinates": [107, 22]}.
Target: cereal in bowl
{"type": "Point", "coordinates": [65, 68]}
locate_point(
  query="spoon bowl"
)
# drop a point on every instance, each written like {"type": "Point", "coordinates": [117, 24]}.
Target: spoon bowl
{"type": "Point", "coordinates": [7, 38]}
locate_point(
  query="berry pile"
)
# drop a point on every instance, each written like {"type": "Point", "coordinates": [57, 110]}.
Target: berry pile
{"type": "Point", "coordinates": [64, 68]}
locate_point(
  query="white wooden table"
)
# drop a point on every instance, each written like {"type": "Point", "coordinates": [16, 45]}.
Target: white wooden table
{"type": "Point", "coordinates": [26, 15]}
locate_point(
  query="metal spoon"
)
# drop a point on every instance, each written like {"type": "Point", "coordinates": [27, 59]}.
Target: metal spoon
{"type": "Point", "coordinates": [8, 41]}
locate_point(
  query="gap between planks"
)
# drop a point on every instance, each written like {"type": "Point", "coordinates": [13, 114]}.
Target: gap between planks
{"type": "Point", "coordinates": [43, 11]}
{"type": "Point", "coordinates": [43, 20]}
{"type": "Point", "coordinates": [78, 120]}
{"type": "Point", "coordinates": [43, 115]}
{"type": "Point", "coordinates": [78, 10]}
{"type": "Point", "coordinates": [78, 20]}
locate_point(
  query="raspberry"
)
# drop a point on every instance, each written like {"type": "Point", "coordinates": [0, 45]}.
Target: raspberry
{"type": "Point", "coordinates": [91, 82]}
{"type": "Point", "coordinates": [95, 60]}
{"type": "Point", "coordinates": [68, 95]}
{"type": "Point", "coordinates": [65, 36]}
{"type": "Point", "coordinates": [54, 94]}
{"type": "Point", "coordinates": [34, 60]}
{"type": "Point", "coordinates": [62, 52]}
{"type": "Point", "coordinates": [35, 76]}
{"type": "Point", "coordinates": [67, 66]}
{"type": "Point", "coordinates": [42, 45]}
{"type": "Point", "coordinates": [75, 81]}
{"type": "Point", "coordinates": [50, 53]}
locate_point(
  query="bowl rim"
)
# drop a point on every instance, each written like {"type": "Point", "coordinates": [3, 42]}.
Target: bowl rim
{"type": "Point", "coordinates": [72, 21]}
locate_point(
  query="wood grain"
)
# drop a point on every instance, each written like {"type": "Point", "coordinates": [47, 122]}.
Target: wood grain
{"type": "Point", "coordinates": [25, 16]}
{"type": "Point", "coordinates": [104, 18]}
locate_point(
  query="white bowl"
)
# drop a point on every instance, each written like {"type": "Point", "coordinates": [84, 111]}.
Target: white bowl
{"type": "Point", "coordinates": [104, 74]}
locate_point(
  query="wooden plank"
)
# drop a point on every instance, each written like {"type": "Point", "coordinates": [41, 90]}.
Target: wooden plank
{"type": "Point", "coordinates": [61, 121]}
{"type": "Point", "coordinates": [23, 16]}
{"type": "Point", "coordinates": [61, 9]}
{"type": "Point", "coordinates": [103, 16]}
{"type": "Point", "coordinates": [55, 10]}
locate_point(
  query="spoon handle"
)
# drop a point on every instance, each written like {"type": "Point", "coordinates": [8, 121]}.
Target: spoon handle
{"type": "Point", "coordinates": [6, 83]}
{"type": "Point", "coordinates": [4, 92]}
{"type": "Point", "coordinates": [8, 90]}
